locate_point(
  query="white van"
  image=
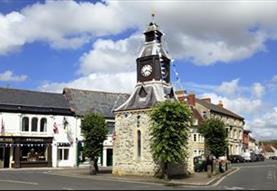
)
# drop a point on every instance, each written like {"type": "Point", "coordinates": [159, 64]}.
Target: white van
{"type": "Point", "coordinates": [246, 156]}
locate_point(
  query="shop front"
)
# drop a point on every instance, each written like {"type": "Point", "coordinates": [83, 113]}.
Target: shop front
{"type": "Point", "coordinates": [22, 152]}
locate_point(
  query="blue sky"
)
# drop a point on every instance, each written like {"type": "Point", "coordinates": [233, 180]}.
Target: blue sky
{"type": "Point", "coordinates": [223, 50]}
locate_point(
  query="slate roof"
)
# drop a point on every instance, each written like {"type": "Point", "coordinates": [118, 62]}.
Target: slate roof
{"type": "Point", "coordinates": [218, 109]}
{"type": "Point", "coordinates": [26, 101]}
{"type": "Point", "coordinates": [84, 101]}
{"type": "Point", "coordinates": [146, 95]}
{"type": "Point", "coordinates": [197, 115]}
{"type": "Point", "coordinates": [267, 148]}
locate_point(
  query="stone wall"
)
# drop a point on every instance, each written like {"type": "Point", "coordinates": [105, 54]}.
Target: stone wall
{"type": "Point", "coordinates": [125, 149]}
{"type": "Point", "coordinates": [125, 156]}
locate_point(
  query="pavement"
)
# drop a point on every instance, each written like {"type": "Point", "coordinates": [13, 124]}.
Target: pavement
{"type": "Point", "coordinates": [197, 179]}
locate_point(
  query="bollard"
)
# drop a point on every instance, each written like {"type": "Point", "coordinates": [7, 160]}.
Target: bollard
{"type": "Point", "coordinates": [209, 171]}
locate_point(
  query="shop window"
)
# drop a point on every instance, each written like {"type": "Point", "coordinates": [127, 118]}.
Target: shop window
{"type": "Point", "coordinates": [34, 124]}
{"type": "Point", "coordinates": [31, 152]}
{"type": "Point", "coordinates": [25, 124]}
{"type": "Point", "coordinates": [43, 125]}
{"type": "Point", "coordinates": [63, 153]}
{"type": "Point", "coordinates": [139, 143]}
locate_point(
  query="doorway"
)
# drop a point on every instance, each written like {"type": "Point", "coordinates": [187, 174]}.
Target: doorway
{"type": "Point", "coordinates": [1, 157]}
{"type": "Point", "coordinates": [7, 157]}
{"type": "Point", "coordinates": [4, 157]}
{"type": "Point", "coordinates": [109, 157]}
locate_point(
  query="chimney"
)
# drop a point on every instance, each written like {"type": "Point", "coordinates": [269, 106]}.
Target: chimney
{"type": "Point", "coordinates": [220, 104]}
{"type": "Point", "coordinates": [180, 95]}
{"type": "Point", "coordinates": [191, 99]}
{"type": "Point", "coordinates": [208, 100]}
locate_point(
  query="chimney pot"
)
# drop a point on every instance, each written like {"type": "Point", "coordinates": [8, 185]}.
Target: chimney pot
{"type": "Point", "coordinates": [191, 99]}
{"type": "Point", "coordinates": [220, 103]}
{"type": "Point", "coordinates": [180, 95]}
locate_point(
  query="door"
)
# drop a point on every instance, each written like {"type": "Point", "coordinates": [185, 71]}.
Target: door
{"type": "Point", "coordinates": [109, 157]}
{"type": "Point", "coordinates": [1, 157]}
{"type": "Point", "coordinates": [7, 157]}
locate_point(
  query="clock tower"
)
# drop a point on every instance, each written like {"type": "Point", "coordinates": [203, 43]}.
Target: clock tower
{"type": "Point", "coordinates": [131, 146]}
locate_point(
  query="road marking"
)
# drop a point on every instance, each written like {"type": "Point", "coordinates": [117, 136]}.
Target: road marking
{"type": "Point", "coordinates": [233, 188]}
{"type": "Point", "coordinates": [110, 179]}
{"type": "Point", "coordinates": [66, 188]}
{"type": "Point", "coordinates": [269, 175]}
{"type": "Point", "coordinates": [220, 180]}
{"type": "Point", "coordinates": [261, 166]}
{"type": "Point", "coordinates": [19, 182]}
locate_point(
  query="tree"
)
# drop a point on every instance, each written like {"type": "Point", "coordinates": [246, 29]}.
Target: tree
{"type": "Point", "coordinates": [94, 130]}
{"type": "Point", "coordinates": [214, 132]}
{"type": "Point", "coordinates": [170, 121]}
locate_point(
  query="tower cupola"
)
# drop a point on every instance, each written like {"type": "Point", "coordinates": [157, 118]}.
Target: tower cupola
{"type": "Point", "coordinates": [153, 62]}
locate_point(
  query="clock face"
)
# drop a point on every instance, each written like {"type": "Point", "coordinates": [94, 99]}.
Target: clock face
{"type": "Point", "coordinates": [146, 70]}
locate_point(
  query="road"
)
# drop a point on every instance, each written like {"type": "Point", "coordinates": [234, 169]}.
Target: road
{"type": "Point", "coordinates": [256, 176]}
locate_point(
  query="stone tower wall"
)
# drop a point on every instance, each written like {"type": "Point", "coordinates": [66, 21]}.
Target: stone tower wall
{"type": "Point", "coordinates": [125, 157]}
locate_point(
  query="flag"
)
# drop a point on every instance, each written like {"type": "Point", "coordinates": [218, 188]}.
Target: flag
{"type": "Point", "coordinates": [55, 128]}
{"type": "Point", "coordinates": [2, 127]}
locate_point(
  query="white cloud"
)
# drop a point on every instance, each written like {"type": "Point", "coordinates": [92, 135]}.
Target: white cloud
{"type": "Point", "coordinates": [229, 88]}
{"type": "Point", "coordinates": [265, 126]}
{"type": "Point", "coordinates": [9, 76]}
{"type": "Point", "coordinates": [111, 56]}
{"type": "Point", "coordinates": [258, 90]}
{"type": "Point", "coordinates": [241, 105]}
{"type": "Point", "coordinates": [120, 82]}
{"type": "Point", "coordinates": [203, 32]}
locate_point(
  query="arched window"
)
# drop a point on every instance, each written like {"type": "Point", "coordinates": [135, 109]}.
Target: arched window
{"type": "Point", "coordinates": [194, 137]}
{"type": "Point", "coordinates": [139, 143]}
{"type": "Point", "coordinates": [34, 124]}
{"type": "Point", "coordinates": [25, 124]}
{"type": "Point", "coordinates": [43, 125]}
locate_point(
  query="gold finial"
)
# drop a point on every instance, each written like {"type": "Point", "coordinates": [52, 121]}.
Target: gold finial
{"type": "Point", "coordinates": [153, 16]}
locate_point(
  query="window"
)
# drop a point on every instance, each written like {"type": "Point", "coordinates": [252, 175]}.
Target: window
{"type": "Point", "coordinates": [138, 121]}
{"type": "Point", "coordinates": [25, 124]}
{"type": "Point", "coordinates": [43, 125]}
{"type": "Point", "coordinates": [199, 137]}
{"type": "Point", "coordinates": [194, 137]}
{"type": "Point", "coordinates": [234, 134]}
{"type": "Point", "coordinates": [110, 126]}
{"type": "Point", "coordinates": [63, 153]}
{"type": "Point", "coordinates": [139, 143]}
{"type": "Point", "coordinates": [34, 124]}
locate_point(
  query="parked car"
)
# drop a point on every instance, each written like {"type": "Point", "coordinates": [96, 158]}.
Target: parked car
{"type": "Point", "coordinates": [273, 158]}
{"type": "Point", "coordinates": [260, 157]}
{"type": "Point", "coordinates": [253, 157]}
{"type": "Point", "coordinates": [236, 158]}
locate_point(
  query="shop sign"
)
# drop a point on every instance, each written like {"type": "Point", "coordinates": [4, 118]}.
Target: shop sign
{"type": "Point", "coordinates": [4, 139]}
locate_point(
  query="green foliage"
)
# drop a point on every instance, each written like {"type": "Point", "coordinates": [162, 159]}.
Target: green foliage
{"type": "Point", "coordinates": [215, 136]}
{"type": "Point", "coordinates": [94, 130]}
{"type": "Point", "coordinates": [169, 132]}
